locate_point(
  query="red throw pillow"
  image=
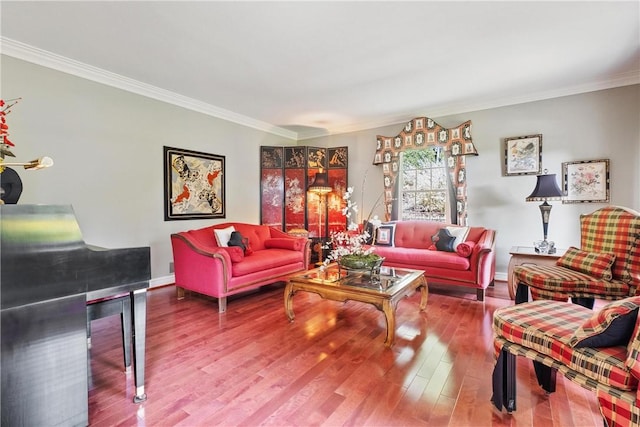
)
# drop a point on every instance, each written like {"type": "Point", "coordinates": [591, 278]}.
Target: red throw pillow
{"type": "Point", "coordinates": [235, 253]}
{"type": "Point", "coordinates": [284, 243]}
{"type": "Point", "coordinates": [465, 249]}
{"type": "Point", "coordinates": [248, 250]}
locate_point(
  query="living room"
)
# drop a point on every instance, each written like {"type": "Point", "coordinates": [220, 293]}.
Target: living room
{"type": "Point", "coordinates": [106, 137]}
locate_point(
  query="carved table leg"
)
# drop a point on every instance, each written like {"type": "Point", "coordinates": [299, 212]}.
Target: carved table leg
{"type": "Point", "coordinates": [424, 291]}
{"type": "Point", "coordinates": [390, 315]}
{"type": "Point", "coordinates": [288, 301]}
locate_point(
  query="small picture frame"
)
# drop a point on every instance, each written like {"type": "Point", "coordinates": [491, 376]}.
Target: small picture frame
{"type": "Point", "coordinates": [523, 155]}
{"type": "Point", "coordinates": [586, 181]}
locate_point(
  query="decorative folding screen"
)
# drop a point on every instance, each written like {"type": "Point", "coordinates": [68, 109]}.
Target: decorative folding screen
{"type": "Point", "coordinates": [419, 133]}
{"type": "Point", "coordinates": [295, 188]}
{"type": "Point", "coordinates": [272, 186]}
{"type": "Point", "coordinates": [285, 174]}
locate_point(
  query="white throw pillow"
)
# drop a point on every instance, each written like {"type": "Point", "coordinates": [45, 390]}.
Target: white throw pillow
{"type": "Point", "coordinates": [223, 235]}
{"type": "Point", "coordinates": [460, 233]}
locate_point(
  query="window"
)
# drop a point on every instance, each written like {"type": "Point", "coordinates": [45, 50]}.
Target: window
{"type": "Point", "coordinates": [424, 185]}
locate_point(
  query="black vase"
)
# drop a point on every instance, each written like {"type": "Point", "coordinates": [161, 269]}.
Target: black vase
{"type": "Point", "coordinates": [10, 186]}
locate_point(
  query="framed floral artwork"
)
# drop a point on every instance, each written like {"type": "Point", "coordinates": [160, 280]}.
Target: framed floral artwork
{"type": "Point", "coordinates": [523, 155]}
{"type": "Point", "coordinates": [194, 186]}
{"type": "Point", "coordinates": [586, 181]}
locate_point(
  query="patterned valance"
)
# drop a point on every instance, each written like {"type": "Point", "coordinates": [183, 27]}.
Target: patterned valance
{"type": "Point", "coordinates": [423, 132]}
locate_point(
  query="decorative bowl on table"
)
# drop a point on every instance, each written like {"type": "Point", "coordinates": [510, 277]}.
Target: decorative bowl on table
{"type": "Point", "coordinates": [364, 263]}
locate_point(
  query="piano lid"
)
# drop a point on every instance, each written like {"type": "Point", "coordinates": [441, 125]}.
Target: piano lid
{"type": "Point", "coordinates": [43, 256]}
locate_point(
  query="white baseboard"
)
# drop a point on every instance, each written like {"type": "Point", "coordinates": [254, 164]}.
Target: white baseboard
{"type": "Point", "coordinates": [162, 281]}
{"type": "Point", "coordinates": [501, 276]}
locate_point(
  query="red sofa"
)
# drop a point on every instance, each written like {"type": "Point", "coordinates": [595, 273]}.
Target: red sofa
{"type": "Point", "coordinates": [413, 247]}
{"type": "Point", "coordinates": [202, 266]}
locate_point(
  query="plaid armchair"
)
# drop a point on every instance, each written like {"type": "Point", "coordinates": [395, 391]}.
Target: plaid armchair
{"type": "Point", "coordinates": [607, 266]}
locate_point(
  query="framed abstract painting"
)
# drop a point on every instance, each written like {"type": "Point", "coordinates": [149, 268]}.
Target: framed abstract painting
{"type": "Point", "coordinates": [194, 185]}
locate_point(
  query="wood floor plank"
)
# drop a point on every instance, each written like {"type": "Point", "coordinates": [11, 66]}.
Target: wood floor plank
{"type": "Point", "coordinates": [251, 366]}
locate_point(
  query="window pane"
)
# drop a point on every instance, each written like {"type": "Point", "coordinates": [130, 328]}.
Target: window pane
{"type": "Point", "coordinates": [409, 180]}
{"type": "Point", "coordinates": [439, 179]}
{"type": "Point", "coordinates": [408, 200]}
{"type": "Point", "coordinates": [424, 180]}
{"type": "Point", "coordinates": [424, 185]}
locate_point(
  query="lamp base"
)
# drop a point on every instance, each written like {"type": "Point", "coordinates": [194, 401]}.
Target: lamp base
{"type": "Point", "coordinates": [544, 246]}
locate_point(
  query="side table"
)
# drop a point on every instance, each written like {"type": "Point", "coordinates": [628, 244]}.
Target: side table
{"type": "Point", "coordinates": [523, 255]}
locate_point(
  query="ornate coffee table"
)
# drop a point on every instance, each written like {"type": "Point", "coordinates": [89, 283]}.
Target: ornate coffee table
{"type": "Point", "coordinates": [383, 291]}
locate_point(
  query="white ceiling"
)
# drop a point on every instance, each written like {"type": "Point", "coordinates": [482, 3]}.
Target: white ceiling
{"type": "Point", "coordinates": [314, 68]}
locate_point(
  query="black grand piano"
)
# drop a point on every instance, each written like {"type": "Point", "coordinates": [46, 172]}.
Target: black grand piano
{"type": "Point", "coordinates": [47, 276]}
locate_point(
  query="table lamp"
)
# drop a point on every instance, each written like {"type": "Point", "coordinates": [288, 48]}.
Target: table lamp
{"type": "Point", "coordinates": [546, 189]}
{"type": "Point", "coordinates": [41, 163]}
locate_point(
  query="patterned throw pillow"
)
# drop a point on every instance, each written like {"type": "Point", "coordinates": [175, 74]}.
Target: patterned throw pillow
{"type": "Point", "coordinates": [611, 326]}
{"type": "Point", "coordinates": [596, 265]}
{"type": "Point", "coordinates": [384, 234]}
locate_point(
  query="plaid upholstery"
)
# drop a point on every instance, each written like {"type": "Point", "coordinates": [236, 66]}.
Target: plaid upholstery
{"type": "Point", "coordinates": [593, 264]}
{"type": "Point", "coordinates": [544, 328]}
{"type": "Point", "coordinates": [558, 283]}
{"type": "Point", "coordinates": [609, 230]}
{"type": "Point", "coordinates": [618, 407]}
{"type": "Point", "coordinates": [633, 349]}
{"type": "Point", "coordinates": [617, 410]}
{"type": "Point", "coordinates": [614, 230]}
{"type": "Point", "coordinates": [612, 325]}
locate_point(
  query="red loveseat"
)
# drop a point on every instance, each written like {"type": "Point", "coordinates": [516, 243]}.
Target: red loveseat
{"type": "Point", "coordinates": [202, 266]}
{"type": "Point", "coordinates": [409, 244]}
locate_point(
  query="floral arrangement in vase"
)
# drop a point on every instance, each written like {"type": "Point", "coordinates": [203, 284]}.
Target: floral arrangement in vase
{"type": "Point", "coordinates": [5, 143]}
{"type": "Point", "coordinates": [349, 248]}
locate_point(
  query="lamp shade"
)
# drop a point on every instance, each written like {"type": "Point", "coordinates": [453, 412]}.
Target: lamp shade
{"type": "Point", "coordinates": [546, 189]}
{"type": "Point", "coordinates": [320, 184]}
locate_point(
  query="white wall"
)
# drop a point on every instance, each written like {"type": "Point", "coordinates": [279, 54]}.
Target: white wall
{"type": "Point", "coordinates": [595, 125]}
{"type": "Point", "coordinates": [107, 147]}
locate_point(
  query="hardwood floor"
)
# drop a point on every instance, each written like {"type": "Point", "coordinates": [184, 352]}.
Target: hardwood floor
{"type": "Point", "coordinates": [250, 366]}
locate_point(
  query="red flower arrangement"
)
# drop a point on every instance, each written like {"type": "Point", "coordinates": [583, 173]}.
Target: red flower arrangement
{"type": "Point", "coordinates": [5, 143]}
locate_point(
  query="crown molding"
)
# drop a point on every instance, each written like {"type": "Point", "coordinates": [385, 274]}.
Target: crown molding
{"type": "Point", "coordinates": [44, 58]}
{"type": "Point", "coordinates": [51, 60]}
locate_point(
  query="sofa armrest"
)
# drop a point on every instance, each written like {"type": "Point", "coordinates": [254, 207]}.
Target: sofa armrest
{"type": "Point", "coordinates": [202, 268]}
{"type": "Point", "coordinates": [483, 258]}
